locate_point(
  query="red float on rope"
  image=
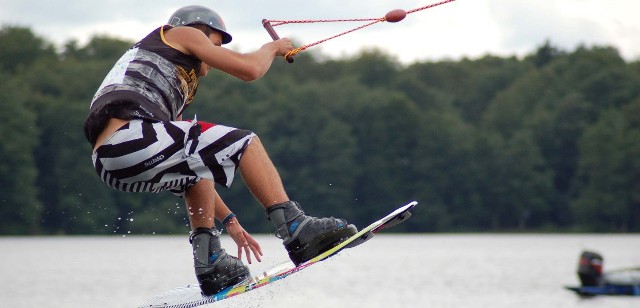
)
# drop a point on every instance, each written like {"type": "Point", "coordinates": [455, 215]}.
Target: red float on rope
{"type": "Point", "coordinates": [395, 15]}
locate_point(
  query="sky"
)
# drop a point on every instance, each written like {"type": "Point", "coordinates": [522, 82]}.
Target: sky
{"type": "Point", "coordinates": [452, 31]}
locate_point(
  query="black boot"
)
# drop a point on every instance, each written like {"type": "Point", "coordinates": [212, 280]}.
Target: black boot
{"type": "Point", "coordinates": [303, 236]}
{"type": "Point", "coordinates": [215, 269]}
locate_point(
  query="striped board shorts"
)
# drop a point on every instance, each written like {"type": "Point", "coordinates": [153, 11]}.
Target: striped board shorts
{"type": "Point", "coordinates": [145, 156]}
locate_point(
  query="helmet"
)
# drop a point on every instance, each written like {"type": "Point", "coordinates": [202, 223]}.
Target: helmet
{"type": "Point", "coordinates": [196, 14]}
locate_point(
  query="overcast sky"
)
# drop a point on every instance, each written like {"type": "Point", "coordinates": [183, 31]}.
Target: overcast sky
{"type": "Point", "coordinates": [463, 28]}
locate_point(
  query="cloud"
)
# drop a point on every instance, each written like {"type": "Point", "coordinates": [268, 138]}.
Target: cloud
{"type": "Point", "coordinates": [536, 22]}
{"type": "Point", "coordinates": [464, 28]}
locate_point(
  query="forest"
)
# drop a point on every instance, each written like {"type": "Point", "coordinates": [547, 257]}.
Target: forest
{"type": "Point", "coordinates": [547, 142]}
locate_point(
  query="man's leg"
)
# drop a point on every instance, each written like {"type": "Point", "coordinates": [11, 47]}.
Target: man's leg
{"type": "Point", "coordinates": [303, 236]}
{"type": "Point", "coordinates": [200, 199]}
{"type": "Point", "coordinates": [214, 268]}
{"type": "Point", "coordinates": [261, 176]}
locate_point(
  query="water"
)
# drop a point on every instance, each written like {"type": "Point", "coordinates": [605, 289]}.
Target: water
{"type": "Point", "coordinates": [461, 270]}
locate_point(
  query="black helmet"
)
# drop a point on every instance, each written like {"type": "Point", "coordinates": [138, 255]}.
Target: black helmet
{"type": "Point", "coordinates": [196, 14]}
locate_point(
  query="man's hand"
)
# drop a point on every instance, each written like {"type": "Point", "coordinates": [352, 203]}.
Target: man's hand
{"type": "Point", "coordinates": [244, 240]}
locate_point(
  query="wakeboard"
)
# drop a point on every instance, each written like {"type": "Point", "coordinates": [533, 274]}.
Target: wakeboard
{"type": "Point", "coordinates": [191, 296]}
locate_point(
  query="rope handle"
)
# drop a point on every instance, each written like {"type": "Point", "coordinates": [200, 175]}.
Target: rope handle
{"type": "Point", "coordinates": [267, 26]}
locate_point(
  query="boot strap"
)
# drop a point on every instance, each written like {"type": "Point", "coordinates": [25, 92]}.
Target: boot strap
{"type": "Point", "coordinates": [200, 230]}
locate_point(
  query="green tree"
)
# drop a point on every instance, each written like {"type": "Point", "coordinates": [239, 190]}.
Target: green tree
{"type": "Point", "coordinates": [20, 48]}
{"type": "Point", "coordinates": [548, 141]}
{"type": "Point", "coordinates": [609, 169]}
{"type": "Point", "coordinates": [20, 208]}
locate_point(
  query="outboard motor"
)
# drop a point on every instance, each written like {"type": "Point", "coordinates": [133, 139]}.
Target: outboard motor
{"type": "Point", "coordinates": [590, 268]}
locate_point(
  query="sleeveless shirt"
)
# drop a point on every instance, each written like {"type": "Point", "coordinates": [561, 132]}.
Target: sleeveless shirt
{"type": "Point", "coordinates": [151, 81]}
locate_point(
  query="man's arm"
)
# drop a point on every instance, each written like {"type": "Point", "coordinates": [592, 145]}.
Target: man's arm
{"type": "Point", "coordinates": [245, 66]}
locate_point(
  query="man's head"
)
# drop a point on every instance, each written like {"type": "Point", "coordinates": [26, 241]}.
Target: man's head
{"type": "Point", "coordinates": [199, 15]}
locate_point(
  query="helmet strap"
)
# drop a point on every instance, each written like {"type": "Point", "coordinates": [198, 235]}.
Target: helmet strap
{"type": "Point", "coordinates": [204, 28]}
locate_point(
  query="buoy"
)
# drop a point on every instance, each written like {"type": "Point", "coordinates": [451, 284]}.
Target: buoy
{"type": "Point", "coordinates": [395, 15]}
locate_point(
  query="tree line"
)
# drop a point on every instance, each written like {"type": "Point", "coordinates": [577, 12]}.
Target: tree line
{"type": "Point", "coordinates": [546, 142]}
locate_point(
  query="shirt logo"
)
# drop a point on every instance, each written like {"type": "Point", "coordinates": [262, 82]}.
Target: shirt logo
{"type": "Point", "coordinates": [154, 161]}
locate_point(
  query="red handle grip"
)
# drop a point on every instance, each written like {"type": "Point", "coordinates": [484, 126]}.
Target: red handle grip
{"type": "Point", "coordinates": [267, 26]}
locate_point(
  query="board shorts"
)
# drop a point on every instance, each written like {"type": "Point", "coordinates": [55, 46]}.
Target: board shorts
{"type": "Point", "coordinates": [145, 156]}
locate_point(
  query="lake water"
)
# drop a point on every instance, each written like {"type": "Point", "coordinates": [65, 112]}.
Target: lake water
{"type": "Point", "coordinates": [426, 270]}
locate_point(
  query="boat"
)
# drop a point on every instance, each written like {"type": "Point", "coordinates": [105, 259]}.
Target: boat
{"type": "Point", "coordinates": [596, 282]}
